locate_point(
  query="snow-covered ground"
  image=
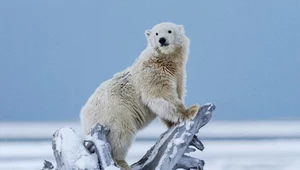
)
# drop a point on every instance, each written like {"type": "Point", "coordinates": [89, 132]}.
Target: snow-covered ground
{"type": "Point", "coordinates": [263, 145]}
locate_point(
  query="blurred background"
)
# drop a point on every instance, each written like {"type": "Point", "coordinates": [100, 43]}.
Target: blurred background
{"type": "Point", "coordinates": [244, 57]}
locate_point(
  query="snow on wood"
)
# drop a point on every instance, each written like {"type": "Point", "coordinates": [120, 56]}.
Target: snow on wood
{"type": "Point", "coordinates": [70, 153]}
{"type": "Point", "coordinates": [169, 150]}
{"type": "Point", "coordinates": [94, 153]}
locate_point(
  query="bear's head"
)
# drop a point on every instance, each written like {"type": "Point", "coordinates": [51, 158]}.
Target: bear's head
{"type": "Point", "coordinates": [166, 37]}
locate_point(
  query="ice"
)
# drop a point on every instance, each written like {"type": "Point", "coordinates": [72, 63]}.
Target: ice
{"type": "Point", "coordinates": [218, 155]}
{"type": "Point", "coordinates": [282, 153]}
{"type": "Point", "coordinates": [283, 128]}
{"type": "Point", "coordinates": [111, 168]}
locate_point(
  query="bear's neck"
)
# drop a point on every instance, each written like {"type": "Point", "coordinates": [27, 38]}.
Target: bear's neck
{"type": "Point", "coordinates": [153, 57]}
{"type": "Point", "coordinates": [178, 56]}
{"type": "Point", "coordinates": [171, 63]}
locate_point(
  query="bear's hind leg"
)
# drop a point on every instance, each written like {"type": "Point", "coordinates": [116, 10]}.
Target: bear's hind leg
{"type": "Point", "coordinates": [121, 136]}
{"type": "Point", "coordinates": [123, 164]}
{"type": "Point", "coordinates": [120, 147]}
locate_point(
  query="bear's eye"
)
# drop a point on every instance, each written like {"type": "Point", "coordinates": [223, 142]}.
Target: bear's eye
{"type": "Point", "coordinates": [169, 31]}
{"type": "Point", "coordinates": [156, 34]}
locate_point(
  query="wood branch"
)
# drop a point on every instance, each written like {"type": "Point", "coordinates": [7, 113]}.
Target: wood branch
{"type": "Point", "coordinates": [97, 142]}
{"type": "Point", "coordinates": [94, 153]}
{"type": "Point", "coordinates": [70, 153]}
{"type": "Point", "coordinates": [169, 150]}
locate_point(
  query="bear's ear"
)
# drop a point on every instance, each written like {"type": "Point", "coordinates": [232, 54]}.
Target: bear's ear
{"type": "Point", "coordinates": [147, 33]}
{"type": "Point", "coordinates": [181, 27]}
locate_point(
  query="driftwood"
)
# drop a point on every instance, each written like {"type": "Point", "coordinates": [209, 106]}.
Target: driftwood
{"type": "Point", "coordinates": [94, 153]}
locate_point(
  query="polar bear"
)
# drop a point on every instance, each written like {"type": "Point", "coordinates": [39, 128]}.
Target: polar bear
{"type": "Point", "coordinates": [153, 86]}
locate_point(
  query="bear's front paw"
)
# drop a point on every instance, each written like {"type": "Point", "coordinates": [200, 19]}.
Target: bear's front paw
{"type": "Point", "coordinates": [191, 111]}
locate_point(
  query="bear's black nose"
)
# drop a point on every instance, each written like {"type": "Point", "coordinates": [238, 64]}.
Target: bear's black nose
{"type": "Point", "coordinates": [162, 41]}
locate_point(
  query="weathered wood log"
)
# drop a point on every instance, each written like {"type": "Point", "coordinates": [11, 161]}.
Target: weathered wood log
{"type": "Point", "coordinates": [70, 153]}
{"type": "Point", "coordinates": [169, 150]}
{"type": "Point", "coordinates": [97, 143]}
{"type": "Point", "coordinates": [94, 153]}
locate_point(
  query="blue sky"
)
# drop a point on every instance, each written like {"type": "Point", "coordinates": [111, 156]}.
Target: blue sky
{"type": "Point", "coordinates": [244, 55]}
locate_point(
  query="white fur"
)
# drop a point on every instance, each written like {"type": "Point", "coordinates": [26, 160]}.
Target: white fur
{"type": "Point", "coordinates": [163, 109]}
{"type": "Point", "coordinates": [176, 38]}
{"type": "Point", "coordinates": [153, 86]}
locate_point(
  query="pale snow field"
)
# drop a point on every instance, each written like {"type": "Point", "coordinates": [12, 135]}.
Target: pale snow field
{"type": "Point", "coordinates": [279, 151]}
